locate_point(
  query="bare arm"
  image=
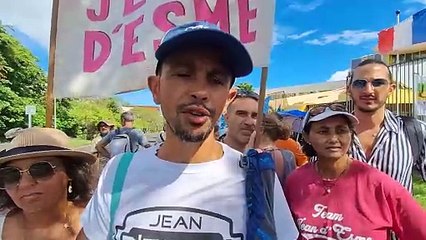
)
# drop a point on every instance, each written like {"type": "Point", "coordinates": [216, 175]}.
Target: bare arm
{"type": "Point", "coordinates": [100, 146]}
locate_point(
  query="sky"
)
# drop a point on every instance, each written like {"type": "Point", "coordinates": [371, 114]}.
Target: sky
{"type": "Point", "coordinates": [313, 41]}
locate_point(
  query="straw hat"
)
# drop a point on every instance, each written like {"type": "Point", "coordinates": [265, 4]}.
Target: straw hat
{"type": "Point", "coordinates": [42, 142]}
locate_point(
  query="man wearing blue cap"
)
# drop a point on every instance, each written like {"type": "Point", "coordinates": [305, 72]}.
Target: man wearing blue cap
{"type": "Point", "coordinates": [190, 187]}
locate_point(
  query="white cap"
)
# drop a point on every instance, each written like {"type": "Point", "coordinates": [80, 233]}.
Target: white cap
{"type": "Point", "coordinates": [327, 113]}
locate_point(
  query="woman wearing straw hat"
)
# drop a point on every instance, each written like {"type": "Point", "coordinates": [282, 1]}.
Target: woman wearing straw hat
{"type": "Point", "coordinates": [44, 186]}
{"type": "Point", "coordinates": [337, 197]}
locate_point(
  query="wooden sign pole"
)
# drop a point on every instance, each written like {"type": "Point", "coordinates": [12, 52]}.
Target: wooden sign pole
{"type": "Point", "coordinates": [262, 94]}
{"type": "Point", "coordinates": [51, 71]}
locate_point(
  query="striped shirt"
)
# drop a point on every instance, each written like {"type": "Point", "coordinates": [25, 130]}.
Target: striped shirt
{"type": "Point", "coordinates": [391, 152]}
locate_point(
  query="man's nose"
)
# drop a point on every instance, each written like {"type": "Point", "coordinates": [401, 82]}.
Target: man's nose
{"type": "Point", "coordinates": [250, 120]}
{"type": "Point", "coordinates": [369, 87]}
{"type": "Point", "coordinates": [199, 88]}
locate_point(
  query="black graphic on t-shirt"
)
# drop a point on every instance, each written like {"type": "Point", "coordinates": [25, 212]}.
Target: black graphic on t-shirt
{"type": "Point", "coordinates": [176, 223]}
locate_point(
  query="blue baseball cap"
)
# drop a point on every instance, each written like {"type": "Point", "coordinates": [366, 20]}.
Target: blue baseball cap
{"type": "Point", "coordinates": [205, 33]}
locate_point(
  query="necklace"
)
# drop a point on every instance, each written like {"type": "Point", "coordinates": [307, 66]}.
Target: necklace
{"type": "Point", "coordinates": [66, 226]}
{"type": "Point", "coordinates": [329, 183]}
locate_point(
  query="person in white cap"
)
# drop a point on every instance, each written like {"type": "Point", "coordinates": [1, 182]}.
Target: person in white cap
{"type": "Point", "coordinates": [337, 197]}
{"type": "Point", "coordinates": [192, 186]}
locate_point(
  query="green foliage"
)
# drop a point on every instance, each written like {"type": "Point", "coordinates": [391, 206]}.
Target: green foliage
{"type": "Point", "coordinates": [87, 113]}
{"type": "Point", "coordinates": [23, 82]}
{"type": "Point", "coordinates": [148, 119]}
{"type": "Point", "coordinates": [245, 86]}
{"type": "Point", "coordinates": [419, 190]}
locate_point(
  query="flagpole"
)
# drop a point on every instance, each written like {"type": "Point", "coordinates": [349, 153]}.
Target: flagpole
{"type": "Point", "coordinates": [262, 93]}
{"type": "Point", "coordinates": [398, 13]}
{"type": "Point", "coordinates": [51, 71]}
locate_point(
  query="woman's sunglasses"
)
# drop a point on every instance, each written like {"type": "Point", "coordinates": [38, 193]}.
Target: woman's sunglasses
{"type": "Point", "coordinates": [320, 109]}
{"type": "Point", "coordinates": [361, 83]}
{"type": "Point", "coordinates": [11, 176]}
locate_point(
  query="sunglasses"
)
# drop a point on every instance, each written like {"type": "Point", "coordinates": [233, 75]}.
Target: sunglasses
{"type": "Point", "coordinates": [11, 176]}
{"type": "Point", "coordinates": [361, 83]}
{"type": "Point", "coordinates": [246, 93]}
{"type": "Point", "coordinates": [320, 109]}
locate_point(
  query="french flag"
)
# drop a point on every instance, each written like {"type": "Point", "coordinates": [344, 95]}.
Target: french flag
{"type": "Point", "coordinates": [404, 35]}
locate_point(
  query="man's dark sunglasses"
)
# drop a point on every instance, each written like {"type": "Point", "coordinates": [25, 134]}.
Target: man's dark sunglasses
{"type": "Point", "coordinates": [246, 93]}
{"type": "Point", "coordinates": [362, 83]}
{"type": "Point", "coordinates": [11, 176]}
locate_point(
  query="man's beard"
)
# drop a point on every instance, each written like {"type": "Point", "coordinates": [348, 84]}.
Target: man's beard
{"type": "Point", "coordinates": [186, 136]}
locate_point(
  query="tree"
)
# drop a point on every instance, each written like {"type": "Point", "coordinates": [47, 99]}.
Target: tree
{"type": "Point", "coordinates": [245, 86]}
{"type": "Point", "coordinates": [22, 82]}
{"type": "Point", "coordinates": [149, 119]}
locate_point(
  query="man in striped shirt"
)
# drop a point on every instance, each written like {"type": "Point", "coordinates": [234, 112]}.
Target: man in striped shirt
{"type": "Point", "coordinates": [380, 138]}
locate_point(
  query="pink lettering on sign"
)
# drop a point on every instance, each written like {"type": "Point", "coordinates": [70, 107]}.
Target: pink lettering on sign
{"type": "Point", "coordinates": [161, 14]}
{"type": "Point", "coordinates": [103, 14]}
{"type": "Point", "coordinates": [220, 14]}
{"type": "Point", "coordinates": [245, 15]}
{"type": "Point", "coordinates": [92, 63]}
{"type": "Point", "coordinates": [130, 6]}
{"type": "Point", "coordinates": [129, 40]}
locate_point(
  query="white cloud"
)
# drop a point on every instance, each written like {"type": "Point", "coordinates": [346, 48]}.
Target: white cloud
{"type": "Point", "coordinates": [280, 33]}
{"type": "Point", "coordinates": [347, 37]}
{"type": "Point", "coordinates": [410, 11]}
{"type": "Point", "coordinates": [306, 7]}
{"type": "Point", "coordinates": [31, 17]}
{"type": "Point", "coordinates": [301, 35]}
{"type": "Point", "coordinates": [423, 2]}
{"type": "Point", "coordinates": [339, 75]}
{"type": "Point", "coordinates": [415, 6]}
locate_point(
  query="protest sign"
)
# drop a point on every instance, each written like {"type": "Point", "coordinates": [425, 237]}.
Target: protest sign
{"type": "Point", "coordinates": [104, 47]}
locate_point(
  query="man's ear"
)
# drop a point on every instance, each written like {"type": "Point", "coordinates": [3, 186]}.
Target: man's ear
{"type": "Point", "coordinates": [231, 96]}
{"type": "Point", "coordinates": [392, 88]}
{"type": "Point", "coordinates": [154, 86]}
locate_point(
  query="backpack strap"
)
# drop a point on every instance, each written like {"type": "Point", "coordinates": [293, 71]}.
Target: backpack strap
{"type": "Point", "coordinates": [260, 180]}
{"type": "Point", "coordinates": [117, 187]}
{"type": "Point", "coordinates": [414, 132]}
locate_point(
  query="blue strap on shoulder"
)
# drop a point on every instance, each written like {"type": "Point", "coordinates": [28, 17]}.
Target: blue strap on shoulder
{"type": "Point", "coordinates": [117, 187]}
{"type": "Point", "coordinates": [260, 177]}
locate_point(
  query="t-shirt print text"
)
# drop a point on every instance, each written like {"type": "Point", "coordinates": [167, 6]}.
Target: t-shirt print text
{"type": "Point", "coordinates": [337, 230]}
{"type": "Point", "coordinates": [176, 223]}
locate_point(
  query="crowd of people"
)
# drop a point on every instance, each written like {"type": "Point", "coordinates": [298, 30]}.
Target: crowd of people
{"type": "Point", "coordinates": [347, 181]}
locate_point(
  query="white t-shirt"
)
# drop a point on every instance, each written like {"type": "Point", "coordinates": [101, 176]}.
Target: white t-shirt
{"type": "Point", "coordinates": [166, 200]}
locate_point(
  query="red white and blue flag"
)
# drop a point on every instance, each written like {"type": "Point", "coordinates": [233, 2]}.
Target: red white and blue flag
{"type": "Point", "coordinates": [404, 35]}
